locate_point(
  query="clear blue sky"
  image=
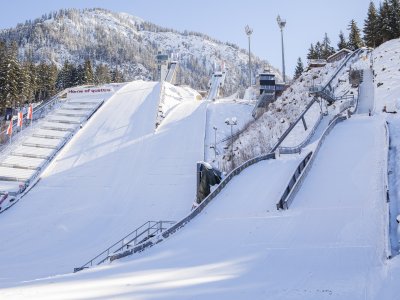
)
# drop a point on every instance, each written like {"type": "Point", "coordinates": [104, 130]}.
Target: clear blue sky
{"type": "Point", "coordinates": [307, 20]}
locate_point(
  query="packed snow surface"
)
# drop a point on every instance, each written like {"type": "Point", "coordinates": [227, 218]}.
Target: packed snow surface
{"type": "Point", "coordinates": [329, 245]}
{"type": "Point", "coordinates": [114, 175]}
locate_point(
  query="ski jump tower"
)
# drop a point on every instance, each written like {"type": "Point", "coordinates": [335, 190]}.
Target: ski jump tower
{"type": "Point", "coordinates": [166, 69]}
{"type": "Point", "coordinates": [216, 83]}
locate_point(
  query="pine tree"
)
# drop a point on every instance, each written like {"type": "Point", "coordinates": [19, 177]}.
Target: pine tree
{"type": "Point", "coordinates": [342, 41]}
{"type": "Point", "coordinates": [311, 53]}
{"type": "Point", "coordinates": [88, 77]}
{"type": "Point", "coordinates": [117, 76]}
{"type": "Point", "coordinates": [80, 75]}
{"type": "Point", "coordinates": [9, 70]}
{"type": "Point", "coordinates": [318, 50]}
{"type": "Point", "coordinates": [355, 41]}
{"type": "Point", "coordinates": [24, 83]}
{"type": "Point", "coordinates": [394, 19]}
{"type": "Point", "coordinates": [299, 68]}
{"type": "Point", "coordinates": [384, 22]}
{"type": "Point", "coordinates": [102, 74]}
{"type": "Point", "coordinates": [371, 29]}
{"type": "Point", "coordinates": [2, 74]}
{"type": "Point", "coordinates": [327, 49]}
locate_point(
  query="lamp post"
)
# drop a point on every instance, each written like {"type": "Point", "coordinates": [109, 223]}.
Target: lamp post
{"type": "Point", "coordinates": [249, 31]}
{"type": "Point", "coordinates": [215, 141]}
{"type": "Point", "coordinates": [231, 121]}
{"type": "Point", "coordinates": [281, 24]}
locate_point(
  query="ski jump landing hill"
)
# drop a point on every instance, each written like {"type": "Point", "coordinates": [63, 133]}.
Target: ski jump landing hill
{"type": "Point", "coordinates": [330, 244]}
{"type": "Point", "coordinates": [114, 175]}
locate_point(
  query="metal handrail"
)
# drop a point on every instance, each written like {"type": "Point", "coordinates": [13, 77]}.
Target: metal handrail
{"type": "Point", "coordinates": [301, 172]}
{"type": "Point", "coordinates": [342, 66]}
{"type": "Point", "coordinates": [133, 236]}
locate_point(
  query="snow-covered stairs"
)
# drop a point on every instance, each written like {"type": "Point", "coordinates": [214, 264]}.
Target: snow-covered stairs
{"type": "Point", "coordinates": [23, 164]}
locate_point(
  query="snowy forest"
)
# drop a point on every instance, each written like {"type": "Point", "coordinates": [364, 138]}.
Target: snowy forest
{"type": "Point", "coordinates": [24, 81]}
{"type": "Point", "coordinates": [92, 46]}
{"type": "Point", "coordinates": [381, 24]}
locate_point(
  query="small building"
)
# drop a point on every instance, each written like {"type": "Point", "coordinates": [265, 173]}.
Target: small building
{"type": "Point", "coordinates": [162, 65]}
{"type": "Point", "coordinates": [342, 53]}
{"type": "Point", "coordinates": [316, 63]}
{"type": "Point", "coordinates": [267, 84]}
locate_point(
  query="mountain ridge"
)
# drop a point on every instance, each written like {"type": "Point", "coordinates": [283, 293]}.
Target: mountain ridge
{"type": "Point", "coordinates": [129, 43]}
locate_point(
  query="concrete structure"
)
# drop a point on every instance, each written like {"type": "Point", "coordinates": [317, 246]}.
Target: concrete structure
{"type": "Point", "coordinates": [339, 55]}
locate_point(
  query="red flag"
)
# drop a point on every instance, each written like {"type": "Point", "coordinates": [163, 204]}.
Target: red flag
{"type": "Point", "coordinates": [9, 129]}
{"type": "Point", "coordinates": [30, 112]}
{"type": "Point", "coordinates": [19, 123]}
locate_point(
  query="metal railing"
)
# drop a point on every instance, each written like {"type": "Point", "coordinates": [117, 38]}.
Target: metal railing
{"type": "Point", "coordinates": [283, 204]}
{"type": "Point", "coordinates": [385, 195]}
{"type": "Point", "coordinates": [197, 210]}
{"type": "Point", "coordinates": [297, 149]}
{"type": "Point", "coordinates": [37, 113]}
{"type": "Point", "coordinates": [293, 187]}
{"type": "Point", "coordinates": [34, 178]}
{"type": "Point", "coordinates": [352, 55]}
{"type": "Point", "coordinates": [137, 236]}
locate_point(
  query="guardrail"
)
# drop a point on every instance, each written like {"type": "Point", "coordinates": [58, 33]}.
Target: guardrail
{"type": "Point", "coordinates": [385, 192]}
{"type": "Point", "coordinates": [140, 234]}
{"type": "Point", "coordinates": [36, 114]}
{"type": "Point", "coordinates": [293, 187]}
{"type": "Point", "coordinates": [292, 125]}
{"type": "Point", "coordinates": [197, 210]}
{"type": "Point", "coordinates": [297, 149]}
{"type": "Point", "coordinates": [352, 55]}
{"type": "Point", "coordinates": [283, 204]}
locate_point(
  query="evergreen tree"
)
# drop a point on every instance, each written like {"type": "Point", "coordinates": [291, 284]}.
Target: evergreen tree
{"type": "Point", "coordinates": [371, 29]}
{"type": "Point", "coordinates": [342, 41]}
{"type": "Point", "coordinates": [311, 53]}
{"type": "Point", "coordinates": [355, 41]}
{"type": "Point", "coordinates": [394, 19]}
{"type": "Point", "coordinates": [88, 77]}
{"type": "Point", "coordinates": [318, 50]}
{"type": "Point", "coordinates": [117, 76]}
{"type": "Point", "coordinates": [24, 83]}
{"type": "Point", "coordinates": [384, 22]}
{"type": "Point", "coordinates": [67, 76]}
{"type": "Point", "coordinates": [2, 74]}
{"type": "Point", "coordinates": [102, 74]}
{"type": "Point", "coordinates": [299, 68]}
{"type": "Point", "coordinates": [327, 50]}
{"type": "Point", "coordinates": [9, 70]}
{"type": "Point", "coordinates": [80, 75]}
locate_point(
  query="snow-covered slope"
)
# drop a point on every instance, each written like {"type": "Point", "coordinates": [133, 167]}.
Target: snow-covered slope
{"type": "Point", "coordinates": [240, 247]}
{"type": "Point", "coordinates": [386, 64]}
{"type": "Point", "coordinates": [119, 39]}
{"type": "Point", "coordinates": [115, 175]}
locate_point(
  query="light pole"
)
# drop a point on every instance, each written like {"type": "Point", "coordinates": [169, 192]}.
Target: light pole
{"type": "Point", "coordinates": [231, 121]}
{"type": "Point", "coordinates": [281, 24]}
{"type": "Point", "coordinates": [249, 31]}
{"type": "Point", "coordinates": [215, 141]}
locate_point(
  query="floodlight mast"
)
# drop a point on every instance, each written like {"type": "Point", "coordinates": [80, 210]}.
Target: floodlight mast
{"type": "Point", "coordinates": [249, 31]}
{"type": "Point", "coordinates": [282, 24]}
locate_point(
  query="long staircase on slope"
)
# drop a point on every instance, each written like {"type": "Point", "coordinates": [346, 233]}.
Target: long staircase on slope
{"type": "Point", "coordinates": [326, 91]}
{"type": "Point", "coordinates": [138, 236]}
{"type": "Point", "coordinates": [22, 165]}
